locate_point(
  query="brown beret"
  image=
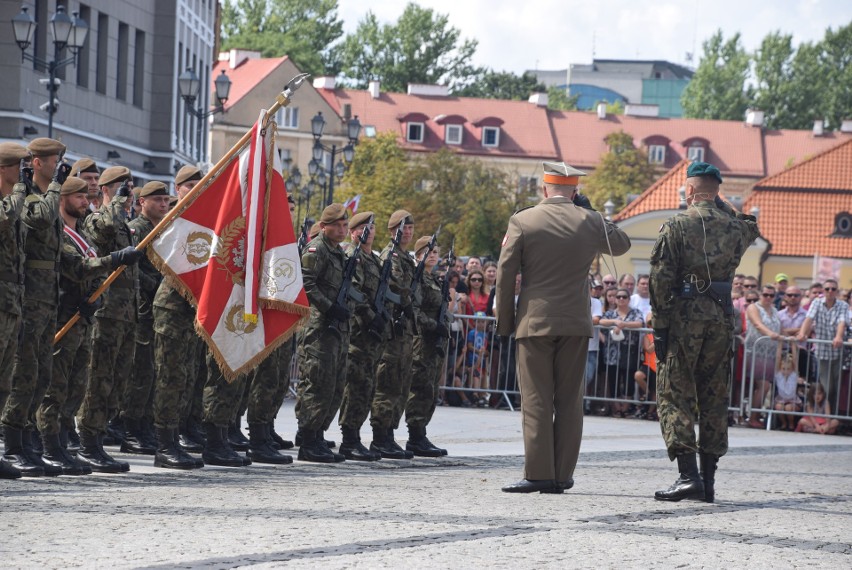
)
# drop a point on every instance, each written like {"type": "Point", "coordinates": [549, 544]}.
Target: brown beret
{"type": "Point", "coordinates": [359, 219]}
{"type": "Point", "coordinates": [173, 200]}
{"type": "Point", "coordinates": [114, 174]}
{"type": "Point", "coordinates": [186, 174]}
{"type": "Point", "coordinates": [74, 185]}
{"type": "Point", "coordinates": [45, 147]}
{"type": "Point", "coordinates": [12, 153]}
{"type": "Point", "coordinates": [153, 188]}
{"type": "Point", "coordinates": [333, 213]}
{"type": "Point", "coordinates": [398, 217]}
{"type": "Point", "coordinates": [421, 243]}
{"type": "Point", "coordinates": [84, 165]}
{"type": "Point", "coordinates": [314, 231]}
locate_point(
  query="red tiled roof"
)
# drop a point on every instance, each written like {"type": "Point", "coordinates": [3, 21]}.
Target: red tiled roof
{"type": "Point", "coordinates": [661, 195]}
{"type": "Point", "coordinates": [828, 170]}
{"type": "Point", "coordinates": [245, 76]}
{"type": "Point", "coordinates": [786, 148]}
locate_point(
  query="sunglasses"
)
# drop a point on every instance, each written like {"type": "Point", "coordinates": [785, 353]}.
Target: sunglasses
{"type": "Point", "coordinates": [475, 279]}
{"type": "Point", "coordinates": [621, 297]}
{"type": "Point", "coordinates": [609, 282]}
{"type": "Point", "coordinates": [750, 286]}
{"type": "Point", "coordinates": [767, 295]}
{"type": "Point", "coordinates": [751, 300]}
{"type": "Point", "coordinates": [792, 295]}
{"type": "Point", "coordinates": [829, 288]}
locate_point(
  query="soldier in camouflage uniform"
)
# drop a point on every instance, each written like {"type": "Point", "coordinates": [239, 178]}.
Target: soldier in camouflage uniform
{"type": "Point", "coordinates": [322, 353]}
{"type": "Point", "coordinates": [13, 193]}
{"type": "Point", "coordinates": [429, 353]}
{"type": "Point", "coordinates": [263, 386]}
{"type": "Point", "coordinates": [220, 403]}
{"type": "Point", "coordinates": [692, 265]}
{"type": "Point", "coordinates": [393, 374]}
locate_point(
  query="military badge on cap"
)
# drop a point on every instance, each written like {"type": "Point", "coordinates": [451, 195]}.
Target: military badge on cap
{"type": "Point", "coordinates": [561, 173]}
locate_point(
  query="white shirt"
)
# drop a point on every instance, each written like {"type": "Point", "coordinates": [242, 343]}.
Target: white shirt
{"type": "Point", "coordinates": [643, 304]}
{"type": "Point", "coordinates": [597, 311]}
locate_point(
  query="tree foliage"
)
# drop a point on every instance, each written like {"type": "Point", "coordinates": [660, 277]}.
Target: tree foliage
{"type": "Point", "coordinates": [623, 170]}
{"type": "Point", "coordinates": [559, 100]}
{"type": "Point", "coordinates": [490, 84]}
{"type": "Point", "coordinates": [717, 90]}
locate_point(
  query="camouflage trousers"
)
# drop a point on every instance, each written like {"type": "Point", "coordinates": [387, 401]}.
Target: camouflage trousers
{"type": "Point", "coordinates": [69, 373]}
{"type": "Point", "coordinates": [360, 386]}
{"type": "Point", "coordinates": [139, 391]}
{"type": "Point", "coordinates": [176, 359]}
{"type": "Point", "coordinates": [78, 380]}
{"type": "Point", "coordinates": [322, 367]}
{"type": "Point", "coordinates": [393, 382]}
{"type": "Point", "coordinates": [221, 398]}
{"type": "Point", "coordinates": [265, 385]}
{"type": "Point", "coordinates": [191, 401]}
{"type": "Point", "coordinates": [425, 377]}
{"type": "Point", "coordinates": [10, 328]}
{"type": "Point", "coordinates": [113, 347]}
{"type": "Point", "coordinates": [692, 387]}
{"type": "Point", "coordinates": [32, 369]}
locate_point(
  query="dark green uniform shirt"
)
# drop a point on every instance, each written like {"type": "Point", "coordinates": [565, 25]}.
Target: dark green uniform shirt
{"type": "Point", "coordinates": [367, 276]}
{"type": "Point", "coordinates": [430, 299]}
{"type": "Point", "coordinates": [42, 245]}
{"type": "Point", "coordinates": [323, 264]}
{"type": "Point", "coordinates": [149, 277]}
{"type": "Point", "coordinates": [78, 275]}
{"type": "Point", "coordinates": [401, 278]}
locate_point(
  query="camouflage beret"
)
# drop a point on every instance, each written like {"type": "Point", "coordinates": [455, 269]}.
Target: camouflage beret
{"type": "Point", "coordinates": [421, 243]}
{"type": "Point", "coordinates": [12, 153]}
{"type": "Point", "coordinates": [314, 231]}
{"type": "Point", "coordinates": [114, 174]}
{"type": "Point", "coordinates": [84, 165]}
{"type": "Point", "coordinates": [359, 219]}
{"type": "Point", "coordinates": [333, 213]}
{"type": "Point", "coordinates": [398, 217]}
{"type": "Point", "coordinates": [45, 147]}
{"type": "Point", "coordinates": [153, 188]}
{"type": "Point", "coordinates": [186, 174]}
{"type": "Point", "coordinates": [74, 185]}
{"type": "Point", "coordinates": [703, 169]}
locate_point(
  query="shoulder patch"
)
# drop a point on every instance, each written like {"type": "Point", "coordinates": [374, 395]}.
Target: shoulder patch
{"type": "Point", "coordinates": [312, 249]}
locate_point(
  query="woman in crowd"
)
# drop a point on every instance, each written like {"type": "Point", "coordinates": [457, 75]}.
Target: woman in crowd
{"type": "Point", "coordinates": [490, 270]}
{"type": "Point", "coordinates": [762, 320]}
{"type": "Point", "coordinates": [623, 348]}
{"type": "Point", "coordinates": [477, 296]}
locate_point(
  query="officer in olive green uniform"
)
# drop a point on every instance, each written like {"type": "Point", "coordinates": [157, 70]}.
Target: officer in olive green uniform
{"type": "Point", "coordinates": [326, 337]}
{"type": "Point", "coordinates": [429, 353]}
{"type": "Point", "coordinates": [393, 374]}
{"type": "Point", "coordinates": [13, 193]}
{"type": "Point", "coordinates": [692, 265]}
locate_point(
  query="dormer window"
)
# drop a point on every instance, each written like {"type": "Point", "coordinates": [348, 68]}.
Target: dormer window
{"type": "Point", "coordinates": [696, 148]}
{"type": "Point", "coordinates": [453, 134]}
{"type": "Point", "coordinates": [414, 132]}
{"type": "Point", "coordinates": [695, 153]}
{"type": "Point", "coordinates": [491, 136]}
{"type": "Point", "coordinates": [414, 125]}
{"type": "Point", "coordinates": [656, 154]}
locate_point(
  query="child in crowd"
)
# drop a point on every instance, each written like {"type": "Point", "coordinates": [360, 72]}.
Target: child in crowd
{"type": "Point", "coordinates": [474, 358]}
{"type": "Point", "coordinates": [817, 404]}
{"type": "Point", "coordinates": [787, 381]}
{"type": "Point", "coordinates": [646, 377]}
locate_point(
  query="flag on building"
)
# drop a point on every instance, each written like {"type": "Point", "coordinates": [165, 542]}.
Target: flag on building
{"type": "Point", "coordinates": [232, 252]}
{"type": "Point", "coordinates": [352, 204]}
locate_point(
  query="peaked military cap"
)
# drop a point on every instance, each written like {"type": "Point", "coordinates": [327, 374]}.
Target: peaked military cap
{"type": "Point", "coordinates": [186, 174]}
{"type": "Point", "coordinates": [153, 188]}
{"type": "Point", "coordinates": [12, 153]}
{"type": "Point", "coordinates": [399, 217]}
{"type": "Point", "coordinates": [74, 185]}
{"type": "Point", "coordinates": [561, 173]}
{"type": "Point", "coordinates": [114, 174]}
{"type": "Point", "coordinates": [703, 169]}
{"type": "Point", "coordinates": [421, 243]}
{"type": "Point", "coordinates": [359, 219]}
{"type": "Point", "coordinates": [45, 147]}
{"type": "Point", "coordinates": [84, 165]}
{"type": "Point", "coordinates": [333, 213]}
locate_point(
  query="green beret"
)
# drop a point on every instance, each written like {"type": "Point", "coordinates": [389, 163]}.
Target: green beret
{"type": "Point", "coordinates": [45, 147]}
{"type": "Point", "coordinates": [114, 174]}
{"type": "Point", "coordinates": [703, 169]}
{"type": "Point", "coordinates": [333, 213]}
{"type": "Point", "coordinates": [359, 219]}
{"type": "Point", "coordinates": [12, 153]}
{"type": "Point", "coordinates": [186, 174]}
{"type": "Point", "coordinates": [153, 188]}
{"type": "Point", "coordinates": [421, 243]}
{"type": "Point", "coordinates": [398, 217]}
{"type": "Point", "coordinates": [314, 231]}
{"type": "Point", "coordinates": [84, 165]}
{"type": "Point", "coordinates": [74, 185]}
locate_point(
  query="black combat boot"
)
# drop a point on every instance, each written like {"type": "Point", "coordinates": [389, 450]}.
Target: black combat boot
{"type": "Point", "coordinates": [92, 454]}
{"type": "Point", "coordinates": [236, 437]}
{"type": "Point", "coordinates": [134, 439]}
{"type": "Point", "coordinates": [36, 441]}
{"type": "Point", "coordinates": [186, 441]}
{"type": "Point", "coordinates": [419, 444]}
{"type": "Point", "coordinates": [393, 444]}
{"type": "Point", "coordinates": [149, 435]}
{"type": "Point", "coordinates": [198, 461]}
{"type": "Point", "coordinates": [7, 470]}
{"type": "Point", "coordinates": [125, 466]}
{"type": "Point", "coordinates": [353, 449]}
{"type": "Point", "coordinates": [338, 458]}
{"type": "Point", "coordinates": [708, 474]}
{"type": "Point", "coordinates": [73, 439]}
{"type": "Point", "coordinates": [277, 441]}
{"type": "Point", "coordinates": [312, 449]}
{"type": "Point", "coordinates": [260, 446]}
{"type": "Point", "coordinates": [385, 447]}
{"type": "Point", "coordinates": [56, 456]}
{"type": "Point", "coordinates": [328, 443]}
{"type": "Point", "coordinates": [15, 456]}
{"type": "Point", "coordinates": [168, 455]}
{"type": "Point", "coordinates": [688, 485]}
{"type": "Point", "coordinates": [114, 432]}
{"type": "Point", "coordinates": [194, 430]}
{"type": "Point", "coordinates": [217, 451]}
{"type": "Point", "coordinates": [27, 438]}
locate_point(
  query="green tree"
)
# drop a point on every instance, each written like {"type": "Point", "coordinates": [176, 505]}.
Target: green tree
{"type": "Point", "coordinates": [836, 68]}
{"type": "Point", "coordinates": [490, 84]}
{"type": "Point", "coordinates": [623, 170]}
{"type": "Point", "coordinates": [421, 47]}
{"type": "Point", "coordinates": [304, 30]}
{"type": "Point", "coordinates": [718, 90]}
{"type": "Point", "coordinates": [559, 100]}
{"type": "Point", "coordinates": [773, 64]}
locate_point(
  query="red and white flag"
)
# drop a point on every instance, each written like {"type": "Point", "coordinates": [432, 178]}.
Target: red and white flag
{"type": "Point", "coordinates": [232, 252]}
{"type": "Point", "coordinates": [352, 204]}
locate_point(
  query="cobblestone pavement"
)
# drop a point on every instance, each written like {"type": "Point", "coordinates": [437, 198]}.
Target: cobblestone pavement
{"type": "Point", "coordinates": [784, 501]}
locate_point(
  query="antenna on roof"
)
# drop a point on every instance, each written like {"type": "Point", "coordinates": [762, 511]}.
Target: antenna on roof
{"type": "Point", "coordinates": [594, 34]}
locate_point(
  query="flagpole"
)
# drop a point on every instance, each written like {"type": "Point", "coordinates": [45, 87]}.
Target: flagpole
{"type": "Point", "coordinates": [282, 100]}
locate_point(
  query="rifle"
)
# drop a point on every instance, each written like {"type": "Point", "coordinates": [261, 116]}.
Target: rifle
{"type": "Point", "coordinates": [445, 285]}
{"type": "Point", "coordinates": [383, 292]}
{"type": "Point", "coordinates": [418, 276]}
{"type": "Point", "coordinates": [346, 290]}
{"type": "Point", "coordinates": [303, 236]}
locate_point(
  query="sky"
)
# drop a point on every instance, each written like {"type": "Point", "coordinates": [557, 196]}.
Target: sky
{"type": "Point", "coordinates": [518, 35]}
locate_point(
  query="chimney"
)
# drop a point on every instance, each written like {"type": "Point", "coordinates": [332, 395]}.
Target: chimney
{"type": "Point", "coordinates": [235, 57]}
{"type": "Point", "coordinates": [538, 99]}
{"type": "Point", "coordinates": [427, 90]}
{"type": "Point", "coordinates": [635, 110]}
{"type": "Point", "coordinates": [819, 127]}
{"type": "Point", "coordinates": [375, 89]}
{"type": "Point", "coordinates": [324, 82]}
{"type": "Point", "coordinates": [601, 111]}
{"type": "Point", "coordinates": [846, 126]}
{"type": "Point", "coordinates": [754, 117]}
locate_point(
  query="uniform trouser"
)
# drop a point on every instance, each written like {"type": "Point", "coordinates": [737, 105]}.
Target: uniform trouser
{"type": "Point", "coordinates": [265, 385]}
{"type": "Point", "coordinates": [425, 377]}
{"type": "Point", "coordinates": [285, 365]}
{"type": "Point", "coordinates": [323, 355]}
{"type": "Point", "coordinates": [177, 361]}
{"type": "Point", "coordinates": [113, 345]}
{"type": "Point", "coordinates": [221, 398]}
{"type": "Point", "coordinates": [65, 371]}
{"type": "Point", "coordinates": [32, 369]}
{"type": "Point", "coordinates": [393, 382]}
{"type": "Point", "coordinates": [550, 370]}
{"type": "Point", "coordinates": [10, 328]}
{"type": "Point", "coordinates": [694, 380]}
{"type": "Point", "coordinates": [360, 385]}
{"type": "Point", "coordinates": [78, 380]}
{"type": "Point", "coordinates": [140, 385]}
{"type": "Point", "coordinates": [244, 399]}
{"type": "Point", "coordinates": [191, 406]}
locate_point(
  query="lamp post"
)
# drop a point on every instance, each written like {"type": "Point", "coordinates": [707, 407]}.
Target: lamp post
{"type": "Point", "coordinates": [67, 32]}
{"type": "Point", "coordinates": [188, 85]}
{"type": "Point", "coordinates": [317, 170]}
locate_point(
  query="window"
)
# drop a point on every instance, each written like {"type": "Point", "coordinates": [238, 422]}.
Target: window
{"type": "Point", "coordinates": [695, 153]}
{"type": "Point", "coordinates": [528, 184]}
{"type": "Point", "coordinates": [656, 154]}
{"type": "Point", "coordinates": [288, 117]}
{"type": "Point", "coordinates": [370, 131]}
{"type": "Point", "coordinates": [121, 76]}
{"type": "Point", "coordinates": [414, 132]}
{"type": "Point", "coordinates": [490, 136]}
{"type": "Point", "coordinates": [139, 69]}
{"type": "Point", "coordinates": [453, 134]}
{"type": "Point", "coordinates": [102, 61]}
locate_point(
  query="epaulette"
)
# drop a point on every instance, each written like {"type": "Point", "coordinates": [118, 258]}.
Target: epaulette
{"type": "Point", "coordinates": [32, 198]}
{"type": "Point", "coordinates": [522, 209]}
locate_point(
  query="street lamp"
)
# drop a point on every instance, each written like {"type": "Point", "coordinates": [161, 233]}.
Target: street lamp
{"type": "Point", "coordinates": [189, 84]}
{"type": "Point", "coordinates": [334, 171]}
{"type": "Point", "coordinates": [67, 32]}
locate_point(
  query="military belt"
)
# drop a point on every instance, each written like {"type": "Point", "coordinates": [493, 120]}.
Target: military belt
{"type": "Point", "coordinates": [10, 277]}
{"type": "Point", "coordinates": [41, 264]}
{"type": "Point", "coordinates": [718, 291]}
{"type": "Point", "coordinates": [122, 284]}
